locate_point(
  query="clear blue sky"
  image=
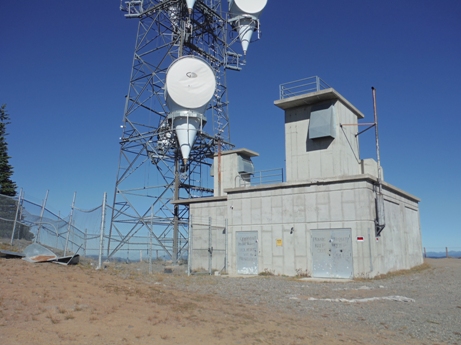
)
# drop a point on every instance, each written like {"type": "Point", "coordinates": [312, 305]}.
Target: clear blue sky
{"type": "Point", "coordinates": [65, 65]}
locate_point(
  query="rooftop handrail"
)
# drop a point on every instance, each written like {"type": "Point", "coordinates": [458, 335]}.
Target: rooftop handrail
{"type": "Point", "coordinates": [270, 176]}
{"type": "Point", "coordinates": [302, 86]}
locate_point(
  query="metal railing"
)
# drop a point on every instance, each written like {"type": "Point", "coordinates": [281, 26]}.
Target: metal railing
{"type": "Point", "coordinates": [302, 86]}
{"type": "Point", "coordinates": [261, 177]}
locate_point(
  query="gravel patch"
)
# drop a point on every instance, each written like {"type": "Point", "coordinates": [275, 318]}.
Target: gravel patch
{"type": "Point", "coordinates": [420, 304]}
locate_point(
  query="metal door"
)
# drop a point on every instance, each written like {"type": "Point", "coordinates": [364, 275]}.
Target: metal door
{"type": "Point", "coordinates": [247, 252]}
{"type": "Point", "coordinates": [331, 253]}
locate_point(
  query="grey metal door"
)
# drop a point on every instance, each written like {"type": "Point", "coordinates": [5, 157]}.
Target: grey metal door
{"type": "Point", "coordinates": [247, 252]}
{"type": "Point", "coordinates": [331, 253]}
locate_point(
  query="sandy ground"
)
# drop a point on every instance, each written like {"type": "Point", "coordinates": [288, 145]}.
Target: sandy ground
{"type": "Point", "coordinates": [52, 304]}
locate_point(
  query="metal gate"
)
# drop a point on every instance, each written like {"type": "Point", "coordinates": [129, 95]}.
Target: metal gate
{"type": "Point", "coordinates": [247, 252]}
{"type": "Point", "coordinates": [331, 253]}
{"type": "Point", "coordinates": [207, 246]}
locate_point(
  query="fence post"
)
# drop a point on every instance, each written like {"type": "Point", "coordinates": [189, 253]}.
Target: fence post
{"type": "Point", "coordinates": [57, 232]}
{"type": "Point", "coordinates": [101, 234]}
{"type": "Point", "coordinates": [225, 249]}
{"type": "Point", "coordinates": [41, 218]}
{"type": "Point", "coordinates": [16, 216]}
{"type": "Point", "coordinates": [69, 227]}
{"type": "Point", "coordinates": [150, 237]}
{"type": "Point", "coordinates": [20, 215]}
{"type": "Point", "coordinates": [189, 254]}
{"type": "Point", "coordinates": [85, 239]}
{"type": "Point", "coordinates": [446, 252]}
{"type": "Point", "coordinates": [210, 248]}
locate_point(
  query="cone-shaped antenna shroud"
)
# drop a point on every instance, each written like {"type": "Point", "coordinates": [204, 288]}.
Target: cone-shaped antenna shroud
{"type": "Point", "coordinates": [246, 26]}
{"type": "Point", "coordinates": [190, 4]}
{"type": "Point", "coordinates": [186, 130]}
{"type": "Point", "coordinates": [245, 14]}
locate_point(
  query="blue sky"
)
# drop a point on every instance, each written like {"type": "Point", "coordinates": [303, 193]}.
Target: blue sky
{"type": "Point", "coordinates": [65, 66]}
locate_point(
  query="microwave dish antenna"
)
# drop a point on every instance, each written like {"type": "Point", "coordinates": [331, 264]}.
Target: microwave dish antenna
{"type": "Point", "coordinates": [189, 88]}
{"type": "Point", "coordinates": [251, 7]}
{"type": "Point", "coordinates": [244, 16]}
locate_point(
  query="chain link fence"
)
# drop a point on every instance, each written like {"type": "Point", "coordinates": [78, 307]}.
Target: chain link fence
{"type": "Point", "coordinates": [83, 231]}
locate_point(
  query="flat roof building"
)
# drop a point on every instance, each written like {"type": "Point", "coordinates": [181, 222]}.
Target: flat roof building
{"type": "Point", "coordinates": [321, 221]}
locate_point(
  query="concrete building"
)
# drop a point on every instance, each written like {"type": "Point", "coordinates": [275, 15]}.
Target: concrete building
{"type": "Point", "coordinates": [321, 221]}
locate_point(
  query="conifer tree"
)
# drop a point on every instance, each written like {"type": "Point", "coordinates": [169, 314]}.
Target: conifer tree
{"type": "Point", "coordinates": [8, 204]}
{"type": "Point", "coordinates": [7, 186]}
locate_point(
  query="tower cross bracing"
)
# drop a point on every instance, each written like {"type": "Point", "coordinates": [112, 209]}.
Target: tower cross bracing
{"type": "Point", "coordinates": [151, 172]}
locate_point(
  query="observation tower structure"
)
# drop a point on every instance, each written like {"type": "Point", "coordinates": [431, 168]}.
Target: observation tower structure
{"type": "Point", "coordinates": [176, 113]}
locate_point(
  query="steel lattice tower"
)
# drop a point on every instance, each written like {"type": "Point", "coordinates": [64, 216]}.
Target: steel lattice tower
{"type": "Point", "coordinates": [151, 173]}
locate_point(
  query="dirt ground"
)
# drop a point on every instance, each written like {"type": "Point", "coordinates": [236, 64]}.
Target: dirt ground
{"type": "Point", "coordinates": [52, 304]}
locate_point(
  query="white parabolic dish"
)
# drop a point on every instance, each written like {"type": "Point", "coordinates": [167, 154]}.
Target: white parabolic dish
{"type": "Point", "coordinates": [190, 84]}
{"type": "Point", "coordinates": [253, 7]}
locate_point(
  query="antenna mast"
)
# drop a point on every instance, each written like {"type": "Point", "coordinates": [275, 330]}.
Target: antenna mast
{"type": "Point", "coordinates": [165, 148]}
{"type": "Point", "coordinates": [380, 215]}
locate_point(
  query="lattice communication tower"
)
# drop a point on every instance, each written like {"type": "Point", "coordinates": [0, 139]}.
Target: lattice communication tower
{"type": "Point", "coordinates": [182, 52]}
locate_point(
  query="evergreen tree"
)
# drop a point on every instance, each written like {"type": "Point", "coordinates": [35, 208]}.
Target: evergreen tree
{"type": "Point", "coordinates": [7, 186]}
{"type": "Point", "coordinates": [8, 205]}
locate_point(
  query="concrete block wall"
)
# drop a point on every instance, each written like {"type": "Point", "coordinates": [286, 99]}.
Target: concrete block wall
{"type": "Point", "coordinates": [325, 157]}
{"type": "Point", "coordinates": [230, 176]}
{"type": "Point", "coordinates": [284, 216]}
{"type": "Point", "coordinates": [208, 217]}
{"type": "Point", "coordinates": [400, 245]}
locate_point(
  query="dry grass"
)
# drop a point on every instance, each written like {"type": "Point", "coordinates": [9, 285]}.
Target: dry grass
{"type": "Point", "coordinates": [94, 301]}
{"type": "Point", "coordinates": [266, 272]}
{"type": "Point", "coordinates": [417, 269]}
{"type": "Point", "coordinates": [5, 246]}
{"type": "Point", "coordinates": [54, 320]}
{"type": "Point", "coordinates": [69, 316]}
{"type": "Point", "coordinates": [185, 307]}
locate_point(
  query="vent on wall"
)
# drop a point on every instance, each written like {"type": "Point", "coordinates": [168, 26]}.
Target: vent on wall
{"type": "Point", "coordinates": [245, 165]}
{"type": "Point", "coordinates": [322, 123]}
